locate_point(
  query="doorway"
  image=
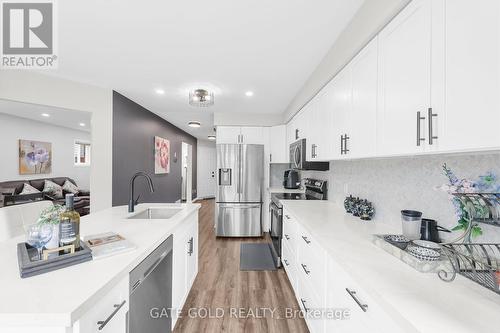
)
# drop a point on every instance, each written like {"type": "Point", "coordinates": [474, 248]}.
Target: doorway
{"type": "Point", "coordinates": [187, 172]}
{"type": "Point", "coordinates": [207, 165]}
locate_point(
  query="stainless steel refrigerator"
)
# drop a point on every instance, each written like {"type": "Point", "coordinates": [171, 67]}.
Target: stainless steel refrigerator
{"type": "Point", "coordinates": [240, 172]}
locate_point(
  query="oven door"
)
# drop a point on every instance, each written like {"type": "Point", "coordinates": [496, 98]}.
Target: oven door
{"type": "Point", "coordinates": [276, 232]}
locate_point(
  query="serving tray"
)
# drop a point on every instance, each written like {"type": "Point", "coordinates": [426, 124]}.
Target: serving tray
{"type": "Point", "coordinates": [423, 266]}
{"type": "Point", "coordinates": [29, 267]}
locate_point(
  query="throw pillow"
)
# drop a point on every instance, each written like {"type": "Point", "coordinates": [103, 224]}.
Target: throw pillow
{"type": "Point", "coordinates": [70, 187]}
{"type": "Point", "coordinates": [53, 189]}
{"type": "Point", "coordinates": [28, 189]}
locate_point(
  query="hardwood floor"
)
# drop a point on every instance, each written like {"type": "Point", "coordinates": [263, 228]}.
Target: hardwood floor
{"type": "Point", "coordinates": [221, 290]}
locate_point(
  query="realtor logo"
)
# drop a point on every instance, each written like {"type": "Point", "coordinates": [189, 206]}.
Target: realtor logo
{"type": "Point", "coordinates": [28, 35]}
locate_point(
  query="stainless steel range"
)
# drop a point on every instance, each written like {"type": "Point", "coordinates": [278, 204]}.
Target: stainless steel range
{"type": "Point", "coordinates": [315, 190]}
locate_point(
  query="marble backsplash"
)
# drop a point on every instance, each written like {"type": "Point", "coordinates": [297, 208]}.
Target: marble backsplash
{"type": "Point", "coordinates": [393, 184]}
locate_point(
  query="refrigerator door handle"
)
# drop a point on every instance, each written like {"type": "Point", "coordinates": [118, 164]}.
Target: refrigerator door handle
{"type": "Point", "coordinates": [239, 206]}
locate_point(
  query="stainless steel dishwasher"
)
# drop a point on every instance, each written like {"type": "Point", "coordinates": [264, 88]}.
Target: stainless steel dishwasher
{"type": "Point", "coordinates": [151, 292]}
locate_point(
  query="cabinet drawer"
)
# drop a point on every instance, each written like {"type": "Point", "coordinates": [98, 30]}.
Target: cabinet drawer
{"type": "Point", "coordinates": [289, 264]}
{"type": "Point", "coordinates": [365, 313]}
{"type": "Point", "coordinates": [311, 262]}
{"type": "Point", "coordinates": [290, 230]}
{"type": "Point", "coordinates": [109, 314]}
{"type": "Point", "coordinates": [312, 307]}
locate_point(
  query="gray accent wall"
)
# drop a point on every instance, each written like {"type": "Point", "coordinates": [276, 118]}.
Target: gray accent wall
{"type": "Point", "coordinates": [134, 129]}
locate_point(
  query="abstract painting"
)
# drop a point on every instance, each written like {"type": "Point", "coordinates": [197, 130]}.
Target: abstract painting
{"type": "Point", "coordinates": [162, 155]}
{"type": "Point", "coordinates": [35, 157]}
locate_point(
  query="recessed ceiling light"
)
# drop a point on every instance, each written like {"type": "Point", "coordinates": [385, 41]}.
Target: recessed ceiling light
{"type": "Point", "coordinates": [249, 93]}
{"type": "Point", "coordinates": [211, 137]}
{"type": "Point", "coordinates": [45, 115]}
{"type": "Point", "coordinates": [194, 124]}
{"type": "Point", "coordinates": [82, 124]}
{"type": "Point", "coordinates": [160, 91]}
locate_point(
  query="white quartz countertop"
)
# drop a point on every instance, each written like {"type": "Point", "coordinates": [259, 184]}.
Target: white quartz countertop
{"type": "Point", "coordinates": [60, 297]}
{"type": "Point", "coordinates": [285, 190]}
{"type": "Point", "coordinates": [420, 302]}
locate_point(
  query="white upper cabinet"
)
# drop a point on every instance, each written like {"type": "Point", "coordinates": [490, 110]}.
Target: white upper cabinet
{"type": "Point", "coordinates": [472, 68]}
{"type": "Point", "coordinates": [238, 134]}
{"type": "Point", "coordinates": [278, 148]}
{"type": "Point", "coordinates": [253, 135]}
{"type": "Point", "coordinates": [340, 98]}
{"type": "Point", "coordinates": [405, 80]}
{"type": "Point", "coordinates": [319, 140]}
{"type": "Point", "coordinates": [362, 140]}
{"type": "Point", "coordinates": [228, 134]}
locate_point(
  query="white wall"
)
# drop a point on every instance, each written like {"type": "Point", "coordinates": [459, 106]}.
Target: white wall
{"type": "Point", "coordinates": [368, 21]}
{"type": "Point", "coordinates": [206, 165]}
{"type": "Point", "coordinates": [33, 87]}
{"type": "Point", "coordinates": [62, 139]}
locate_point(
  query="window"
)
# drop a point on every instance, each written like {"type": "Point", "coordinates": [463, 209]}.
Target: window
{"type": "Point", "coordinates": [82, 153]}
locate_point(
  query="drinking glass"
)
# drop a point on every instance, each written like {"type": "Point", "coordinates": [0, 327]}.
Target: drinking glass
{"type": "Point", "coordinates": [38, 235]}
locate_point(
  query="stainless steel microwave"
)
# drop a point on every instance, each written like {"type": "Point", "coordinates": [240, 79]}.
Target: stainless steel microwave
{"type": "Point", "coordinates": [298, 158]}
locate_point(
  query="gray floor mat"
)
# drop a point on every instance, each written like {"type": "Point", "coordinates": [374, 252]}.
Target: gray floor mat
{"type": "Point", "coordinates": [256, 257]}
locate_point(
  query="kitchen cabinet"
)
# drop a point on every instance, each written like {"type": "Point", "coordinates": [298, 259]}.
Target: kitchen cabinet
{"type": "Point", "coordinates": [278, 148]}
{"type": "Point", "coordinates": [364, 314]}
{"type": "Point", "coordinates": [185, 264]}
{"type": "Point", "coordinates": [109, 315]}
{"type": "Point", "coordinates": [298, 127]}
{"type": "Point", "coordinates": [339, 98]}
{"type": "Point", "coordinates": [228, 134]}
{"type": "Point", "coordinates": [472, 69]}
{"type": "Point", "coordinates": [324, 289]}
{"type": "Point", "coordinates": [406, 60]}
{"type": "Point", "coordinates": [290, 132]}
{"type": "Point", "coordinates": [238, 134]}
{"type": "Point", "coordinates": [362, 129]}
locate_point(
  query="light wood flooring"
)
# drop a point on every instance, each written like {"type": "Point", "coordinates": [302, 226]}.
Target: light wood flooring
{"type": "Point", "coordinates": [221, 285]}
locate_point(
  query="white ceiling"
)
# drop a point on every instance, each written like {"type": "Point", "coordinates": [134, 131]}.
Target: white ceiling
{"type": "Point", "coordinates": [57, 116]}
{"type": "Point", "coordinates": [227, 46]}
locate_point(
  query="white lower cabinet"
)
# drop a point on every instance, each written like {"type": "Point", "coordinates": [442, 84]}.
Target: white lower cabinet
{"type": "Point", "coordinates": [185, 264]}
{"type": "Point", "coordinates": [109, 315]}
{"type": "Point", "coordinates": [330, 300]}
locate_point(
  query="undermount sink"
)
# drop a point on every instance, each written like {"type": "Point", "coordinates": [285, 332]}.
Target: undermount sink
{"type": "Point", "coordinates": [156, 213]}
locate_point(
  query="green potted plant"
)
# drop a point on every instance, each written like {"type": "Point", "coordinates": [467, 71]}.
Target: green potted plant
{"type": "Point", "coordinates": [50, 215]}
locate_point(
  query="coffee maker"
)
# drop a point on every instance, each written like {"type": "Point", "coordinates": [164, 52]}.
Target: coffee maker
{"type": "Point", "coordinates": [291, 179]}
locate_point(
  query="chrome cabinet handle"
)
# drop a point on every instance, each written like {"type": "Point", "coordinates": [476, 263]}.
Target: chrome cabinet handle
{"type": "Point", "coordinates": [303, 301]}
{"type": "Point", "coordinates": [306, 240]}
{"type": "Point", "coordinates": [430, 116]}
{"type": "Point", "coordinates": [304, 267]}
{"type": "Point", "coordinates": [191, 246]}
{"type": "Point", "coordinates": [419, 119]}
{"type": "Point", "coordinates": [286, 262]}
{"type": "Point", "coordinates": [352, 293]}
{"type": "Point", "coordinates": [346, 137]}
{"type": "Point", "coordinates": [342, 144]}
{"type": "Point", "coordinates": [296, 134]}
{"type": "Point", "coordinates": [103, 323]}
{"type": "Point", "coordinates": [287, 237]}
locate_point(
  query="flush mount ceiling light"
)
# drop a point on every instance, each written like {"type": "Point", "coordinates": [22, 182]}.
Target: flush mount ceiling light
{"type": "Point", "coordinates": [249, 93]}
{"type": "Point", "coordinates": [46, 115]}
{"type": "Point", "coordinates": [82, 124]}
{"type": "Point", "coordinates": [211, 137]}
{"type": "Point", "coordinates": [201, 98]}
{"type": "Point", "coordinates": [195, 124]}
{"type": "Point", "coordinates": [160, 91]}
